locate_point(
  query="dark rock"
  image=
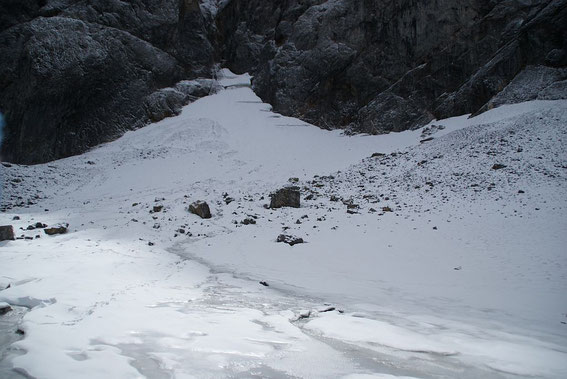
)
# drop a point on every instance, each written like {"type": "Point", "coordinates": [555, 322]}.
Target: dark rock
{"type": "Point", "coordinates": [201, 209]}
{"type": "Point", "coordinates": [326, 309]}
{"type": "Point", "coordinates": [58, 229]}
{"type": "Point", "coordinates": [194, 89]}
{"type": "Point", "coordinates": [15, 218]}
{"type": "Point", "coordinates": [7, 233]}
{"type": "Point", "coordinates": [533, 82]}
{"type": "Point", "coordinates": [75, 74]}
{"type": "Point", "coordinates": [498, 166]}
{"type": "Point", "coordinates": [556, 58]}
{"type": "Point", "coordinates": [377, 155]}
{"type": "Point", "coordinates": [426, 139]}
{"type": "Point", "coordinates": [286, 197]}
{"type": "Point", "coordinates": [290, 240]}
{"type": "Point", "coordinates": [157, 208]}
{"type": "Point", "coordinates": [265, 284]}
{"type": "Point", "coordinates": [248, 221]}
{"type": "Point", "coordinates": [37, 225]}
{"type": "Point", "coordinates": [378, 66]}
{"type": "Point", "coordinates": [164, 103]}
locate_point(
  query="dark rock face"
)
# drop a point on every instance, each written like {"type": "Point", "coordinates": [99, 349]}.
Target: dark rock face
{"type": "Point", "coordinates": [7, 233]}
{"type": "Point", "coordinates": [286, 197]}
{"type": "Point", "coordinates": [77, 73]}
{"type": "Point", "coordinates": [74, 74]}
{"type": "Point", "coordinates": [201, 209]}
{"type": "Point", "coordinates": [377, 66]}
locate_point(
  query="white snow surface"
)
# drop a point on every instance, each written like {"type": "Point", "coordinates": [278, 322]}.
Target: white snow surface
{"type": "Point", "coordinates": [442, 267]}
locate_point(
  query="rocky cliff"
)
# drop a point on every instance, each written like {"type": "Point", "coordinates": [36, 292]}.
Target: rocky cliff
{"type": "Point", "coordinates": [380, 66]}
{"type": "Point", "coordinates": [77, 73]}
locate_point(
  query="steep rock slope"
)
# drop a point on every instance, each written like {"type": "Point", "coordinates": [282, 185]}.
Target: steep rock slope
{"type": "Point", "coordinates": [74, 74]}
{"type": "Point", "coordinates": [380, 66]}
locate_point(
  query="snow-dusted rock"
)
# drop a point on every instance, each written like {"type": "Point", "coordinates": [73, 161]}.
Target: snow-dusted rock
{"type": "Point", "coordinates": [201, 209]}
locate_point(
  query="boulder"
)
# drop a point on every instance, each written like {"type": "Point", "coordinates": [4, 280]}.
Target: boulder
{"type": "Point", "coordinates": [201, 209]}
{"type": "Point", "coordinates": [290, 240]}
{"type": "Point", "coordinates": [7, 233]}
{"type": "Point", "coordinates": [286, 197]}
{"type": "Point", "coordinates": [57, 229]}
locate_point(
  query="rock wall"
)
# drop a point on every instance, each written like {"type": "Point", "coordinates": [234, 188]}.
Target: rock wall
{"type": "Point", "coordinates": [380, 66]}
{"type": "Point", "coordinates": [75, 73]}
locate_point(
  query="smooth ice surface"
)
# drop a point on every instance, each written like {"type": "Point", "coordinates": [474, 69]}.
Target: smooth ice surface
{"type": "Point", "coordinates": [466, 277]}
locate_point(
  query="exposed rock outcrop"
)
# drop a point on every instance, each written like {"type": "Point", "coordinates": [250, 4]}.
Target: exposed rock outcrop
{"type": "Point", "coordinates": [377, 66]}
{"type": "Point", "coordinates": [74, 74]}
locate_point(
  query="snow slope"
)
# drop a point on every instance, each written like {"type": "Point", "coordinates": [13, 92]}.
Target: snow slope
{"type": "Point", "coordinates": [465, 277]}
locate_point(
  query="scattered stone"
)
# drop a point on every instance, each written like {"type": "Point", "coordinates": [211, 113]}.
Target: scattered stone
{"type": "Point", "coordinates": [151, 243]}
{"type": "Point", "coordinates": [334, 198]}
{"type": "Point", "coordinates": [326, 309]}
{"type": "Point", "coordinates": [293, 180]}
{"type": "Point", "coordinates": [37, 225]}
{"type": "Point", "coordinates": [377, 155]}
{"type": "Point", "coordinates": [6, 164]}
{"type": "Point", "coordinates": [57, 229]}
{"type": "Point", "coordinates": [426, 140]}
{"type": "Point", "coordinates": [201, 209]}
{"type": "Point", "coordinates": [265, 284]}
{"type": "Point", "coordinates": [285, 197]}
{"type": "Point", "coordinates": [90, 162]}
{"type": "Point", "coordinates": [521, 191]}
{"type": "Point", "coordinates": [7, 233]}
{"type": "Point", "coordinates": [181, 231]}
{"type": "Point", "coordinates": [157, 208]}
{"type": "Point", "coordinates": [20, 332]}
{"type": "Point", "coordinates": [248, 221]}
{"type": "Point", "coordinates": [290, 240]}
{"type": "Point", "coordinates": [4, 308]}
{"type": "Point", "coordinates": [15, 218]}
{"type": "Point", "coordinates": [458, 268]}
{"type": "Point", "coordinates": [387, 209]}
{"type": "Point", "coordinates": [498, 166]}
